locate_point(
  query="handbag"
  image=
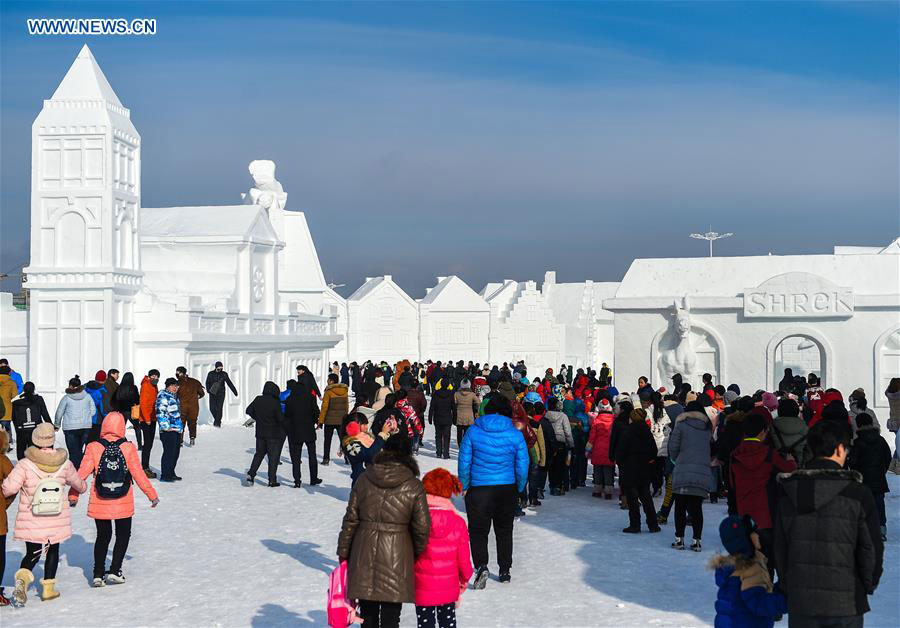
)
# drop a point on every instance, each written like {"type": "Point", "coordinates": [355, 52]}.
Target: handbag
{"type": "Point", "coordinates": [341, 611]}
{"type": "Point", "coordinates": [136, 413]}
{"type": "Point", "coordinates": [893, 424]}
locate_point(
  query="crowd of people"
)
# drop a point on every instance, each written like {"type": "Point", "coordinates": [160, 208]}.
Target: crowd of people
{"type": "Point", "coordinates": [801, 470]}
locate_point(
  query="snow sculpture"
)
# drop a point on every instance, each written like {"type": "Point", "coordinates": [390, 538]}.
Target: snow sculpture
{"type": "Point", "coordinates": [680, 358]}
{"type": "Point", "coordinates": [267, 191]}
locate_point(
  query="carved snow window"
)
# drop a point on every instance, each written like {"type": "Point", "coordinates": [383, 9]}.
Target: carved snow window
{"type": "Point", "coordinates": [258, 284]}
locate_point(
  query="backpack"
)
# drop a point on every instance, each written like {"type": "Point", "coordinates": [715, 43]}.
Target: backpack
{"type": "Point", "coordinates": [112, 479]}
{"type": "Point", "coordinates": [341, 611]}
{"type": "Point", "coordinates": [48, 497]}
{"type": "Point", "coordinates": [218, 386]}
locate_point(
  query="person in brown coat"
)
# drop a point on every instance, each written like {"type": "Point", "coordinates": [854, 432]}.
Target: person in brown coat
{"type": "Point", "coordinates": [335, 406]}
{"type": "Point", "coordinates": [385, 529]}
{"type": "Point", "coordinates": [467, 405]}
{"type": "Point", "coordinates": [6, 468]}
{"type": "Point", "coordinates": [190, 392]}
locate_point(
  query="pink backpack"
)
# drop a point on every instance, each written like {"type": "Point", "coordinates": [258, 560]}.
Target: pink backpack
{"type": "Point", "coordinates": [341, 611]}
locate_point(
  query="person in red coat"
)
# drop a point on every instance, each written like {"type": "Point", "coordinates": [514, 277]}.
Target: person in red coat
{"type": "Point", "coordinates": [754, 464]}
{"type": "Point", "coordinates": [443, 570]}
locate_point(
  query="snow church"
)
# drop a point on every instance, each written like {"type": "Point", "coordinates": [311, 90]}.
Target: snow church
{"type": "Point", "coordinates": [115, 284]}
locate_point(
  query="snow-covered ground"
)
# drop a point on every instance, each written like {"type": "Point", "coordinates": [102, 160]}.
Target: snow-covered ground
{"type": "Point", "coordinates": [216, 553]}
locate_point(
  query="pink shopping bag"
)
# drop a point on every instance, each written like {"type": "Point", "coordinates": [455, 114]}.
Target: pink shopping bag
{"type": "Point", "coordinates": [341, 611]}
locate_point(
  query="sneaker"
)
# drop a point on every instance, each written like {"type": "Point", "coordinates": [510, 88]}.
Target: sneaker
{"type": "Point", "coordinates": [150, 473]}
{"type": "Point", "coordinates": [315, 482]}
{"type": "Point", "coordinates": [678, 543]}
{"type": "Point", "coordinates": [505, 577]}
{"type": "Point", "coordinates": [274, 484]}
{"type": "Point", "coordinates": [248, 481]}
{"type": "Point", "coordinates": [177, 478]}
{"type": "Point", "coordinates": [481, 576]}
{"type": "Point", "coordinates": [695, 546]}
{"type": "Point", "coordinates": [632, 530]}
{"type": "Point", "coordinates": [115, 577]}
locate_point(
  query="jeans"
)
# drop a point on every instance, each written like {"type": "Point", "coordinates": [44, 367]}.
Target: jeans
{"type": "Point", "coordinates": [33, 555]}
{"type": "Point", "coordinates": [215, 408]}
{"type": "Point", "coordinates": [639, 495]}
{"type": "Point", "coordinates": [442, 440]}
{"type": "Point", "coordinates": [444, 614]}
{"type": "Point", "coordinates": [295, 447]}
{"type": "Point", "coordinates": [104, 536]}
{"type": "Point", "coordinates": [380, 614]}
{"type": "Point", "coordinates": [148, 430]}
{"type": "Point", "coordinates": [271, 448]}
{"type": "Point", "coordinates": [497, 505]}
{"type": "Point", "coordinates": [76, 441]}
{"type": "Point", "coordinates": [171, 442]}
{"type": "Point", "coordinates": [688, 504]}
{"type": "Point", "coordinates": [330, 430]}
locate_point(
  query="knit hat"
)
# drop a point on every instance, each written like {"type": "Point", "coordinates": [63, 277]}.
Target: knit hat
{"type": "Point", "coordinates": [735, 388]}
{"type": "Point", "coordinates": [735, 536]}
{"type": "Point", "coordinates": [604, 405]}
{"type": "Point", "coordinates": [100, 376]}
{"type": "Point", "coordinates": [465, 385]}
{"type": "Point", "coordinates": [770, 401]}
{"type": "Point", "coordinates": [730, 397]}
{"type": "Point", "coordinates": [43, 435]}
{"type": "Point", "coordinates": [441, 483]}
{"type": "Point", "coordinates": [218, 364]}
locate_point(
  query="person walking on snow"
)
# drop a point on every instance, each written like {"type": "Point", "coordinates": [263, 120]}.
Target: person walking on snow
{"type": "Point", "coordinates": [190, 392]}
{"type": "Point", "coordinates": [269, 422]}
{"type": "Point", "coordinates": [29, 411]}
{"type": "Point", "coordinates": [335, 406]}
{"type": "Point", "coordinates": [147, 422]}
{"type": "Point", "coordinates": [217, 383]}
{"type": "Point", "coordinates": [73, 416]}
{"type": "Point", "coordinates": [171, 428]}
{"type": "Point", "coordinates": [114, 464]}
{"type": "Point", "coordinates": [43, 520]}
{"type": "Point", "coordinates": [6, 468]}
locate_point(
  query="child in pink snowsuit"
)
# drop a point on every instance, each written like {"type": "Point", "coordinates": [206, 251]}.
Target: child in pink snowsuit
{"type": "Point", "coordinates": [444, 568]}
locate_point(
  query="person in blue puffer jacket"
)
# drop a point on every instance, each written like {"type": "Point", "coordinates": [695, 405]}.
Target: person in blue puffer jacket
{"type": "Point", "coordinates": [96, 389]}
{"type": "Point", "coordinates": [493, 470]}
{"type": "Point", "coordinates": [746, 598]}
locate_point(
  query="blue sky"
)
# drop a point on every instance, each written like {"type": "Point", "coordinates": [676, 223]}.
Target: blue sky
{"type": "Point", "coordinates": [497, 140]}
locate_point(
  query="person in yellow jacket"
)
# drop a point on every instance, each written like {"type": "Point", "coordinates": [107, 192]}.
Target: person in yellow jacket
{"type": "Point", "coordinates": [8, 391]}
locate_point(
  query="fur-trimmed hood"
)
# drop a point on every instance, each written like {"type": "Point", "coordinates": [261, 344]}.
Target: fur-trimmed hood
{"type": "Point", "coordinates": [47, 459]}
{"type": "Point", "coordinates": [697, 420]}
{"type": "Point", "coordinates": [813, 488]}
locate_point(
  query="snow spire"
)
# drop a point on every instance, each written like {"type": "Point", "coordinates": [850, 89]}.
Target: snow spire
{"type": "Point", "coordinates": [85, 81]}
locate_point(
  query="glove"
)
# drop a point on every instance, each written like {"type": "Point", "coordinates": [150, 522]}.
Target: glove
{"type": "Point", "coordinates": [154, 503]}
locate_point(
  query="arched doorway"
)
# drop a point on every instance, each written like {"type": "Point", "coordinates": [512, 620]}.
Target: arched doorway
{"type": "Point", "coordinates": [803, 352]}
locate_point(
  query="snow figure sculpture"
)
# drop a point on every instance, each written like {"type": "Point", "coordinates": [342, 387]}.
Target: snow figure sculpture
{"type": "Point", "coordinates": [680, 358]}
{"type": "Point", "coordinates": [266, 191]}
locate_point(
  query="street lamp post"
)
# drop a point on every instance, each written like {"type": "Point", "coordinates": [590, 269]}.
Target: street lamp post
{"type": "Point", "coordinates": [711, 236]}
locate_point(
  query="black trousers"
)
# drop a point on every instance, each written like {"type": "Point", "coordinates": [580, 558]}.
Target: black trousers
{"type": "Point", "coordinates": [578, 465]}
{"type": "Point", "coordinates": [148, 431]}
{"type": "Point", "coordinates": [497, 505]}
{"type": "Point", "coordinates": [638, 494]}
{"type": "Point", "coordinates": [2, 556]}
{"type": "Point", "coordinates": [692, 505]}
{"type": "Point", "coordinates": [76, 440]}
{"type": "Point", "coordinates": [444, 614]}
{"type": "Point", "coordinates": [380, 614]}
{"type": "Point", "coordinates": [460, 433]}
{"type": "Point", "coordinates": [271, 448]}
{"type": "Point", "coordinates": [330, 431]}
{"type": "Point", "coordinates": [809, 621]}
{"type": "Point", "coordinates": [442, 440]}
{"type": "Point", "coordinates": [295, 447]}
{"type": "Point", "coordinates": [23, 442]}
{"type": "Point", "coordinates": [104, 536]}
{"type": "Point", "coordinates": [558, 469]}
{"type": "Point", "coordinates": [215, 408]}
{"type": "Point", "coordinates": [95, 431]}
{"type": "Point", "coordinates": [138, 434]}
{"type": "Point", "coordinates": [33, 555]}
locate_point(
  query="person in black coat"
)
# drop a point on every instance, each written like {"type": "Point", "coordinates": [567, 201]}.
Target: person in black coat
{"type": "Point", "coordinates": [615, 433]}
{"type": "Point", "coordinates": [828, 549]}
{"type": "Point", "coordinates": [265, 411]}
{"type": "Point", "coordinates": [301, 419]}
{"type": "Point", "coordinates": [636, 456]}
{"type": "Point", "coordinates": [216, 381]}
{"type": "Point", "coordinates": [28, 411]}
{"type": "Point", "coordinates": [442, 414]}
{"type": "Point", "coordinates": [345, 374]}
{"type": "Point", "coordinates": [871, 456]}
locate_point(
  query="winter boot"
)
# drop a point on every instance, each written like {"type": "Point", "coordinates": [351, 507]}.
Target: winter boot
{"type": "Point", "coordinates": [115, 577]}
{"type": "Point", "coordinates": [632, 530]}
{"type": "Point", "coordinates": [325, 462]}
{"type": "Point", "coordinates": [695, 546]}
{"type": "Point", "coordinates": [24, 578]}
{"type": "Point", "coordinates": [249, 481]}
{"type": "Point", "coordinates": [275, 484]}
{"type": "Point", "coordinates": [481, 576]}
{"type": "Point", "coordinates": [679, 543]}
{"type": "Point", "coordinates": [150, 473]}
{"type": "Point", "coordinates": [505, 577]}
{"type": "Point", "coordinates": [48, 591]}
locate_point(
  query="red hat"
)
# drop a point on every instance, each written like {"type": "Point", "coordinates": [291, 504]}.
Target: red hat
{"type": "Point", "coordinates": [100, 376]}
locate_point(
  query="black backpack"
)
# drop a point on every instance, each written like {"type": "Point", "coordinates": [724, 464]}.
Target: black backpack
{"type": "Point", "coordinates": [112, 479]}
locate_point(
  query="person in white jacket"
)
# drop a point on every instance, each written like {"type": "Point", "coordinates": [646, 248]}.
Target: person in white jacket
{"type": "Point", "coordinates": [562, 429]}
{"type": "Point", "coordinates": [74, 414]}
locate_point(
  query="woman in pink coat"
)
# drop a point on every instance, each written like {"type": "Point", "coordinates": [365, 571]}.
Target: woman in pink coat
{"type": "Point", "coordinates": [121, 509]}
{"type": "Point", "coordinates": [597, 450]}
{"type": "Point", "coordinates": [443, 570]}
{"type": "Point", "coordinates": [43, 519]}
